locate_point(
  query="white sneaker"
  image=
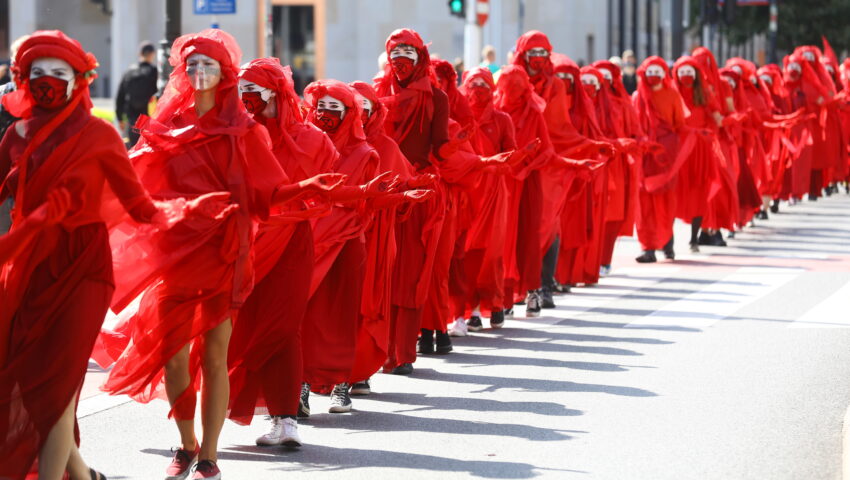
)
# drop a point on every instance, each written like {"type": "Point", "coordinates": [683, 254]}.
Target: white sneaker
{"type": "Point", "coordinates": [458, 328]}
{"type": "Point", "coordinates": [274, 435]}
{"type": "Point", "coordinates": [290, 438]}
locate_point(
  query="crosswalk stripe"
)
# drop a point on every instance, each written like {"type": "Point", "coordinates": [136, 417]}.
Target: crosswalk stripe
{"type": "Point", "coordinates": [832, 312]}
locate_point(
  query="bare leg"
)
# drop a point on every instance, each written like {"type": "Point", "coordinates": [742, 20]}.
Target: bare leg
{"type": "Point", "coordinates": [177, 380]}
{"type": "Point", "coordinates": [54, 455]}
{"type": "Point", "coordinates": [77, 468]}
{"type": "Point", "coordinates": [215, 393]}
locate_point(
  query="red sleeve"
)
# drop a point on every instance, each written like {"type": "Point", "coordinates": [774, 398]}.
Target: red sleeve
{"type": "Point", "coordinates": [119, 172]}
{"type": "Point", "coordinates": [263, 170]}
{"type": "Point", "coordinates": [439, 121]}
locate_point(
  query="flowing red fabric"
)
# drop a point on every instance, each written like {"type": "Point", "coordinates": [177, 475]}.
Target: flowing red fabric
{"type": "Point", "coordinates": [516, 97]}
{"type": "Point", "coordinates": [203, 271]}
{"type": "Point", "coordinates": [55, 293]}
{"type": "Point", "coordinates": [486, 260]}
{"type": "Point", "coordinates": [662, 114]}
{"type": "Point", "coordinates": [446, 78]}
{"type": "Point", "coordinates": [265, 358]}
{"type": "Point", "coordinates": [565, 138]}
{"type": "Point", "coordinates": [373, 339]}
{"type": "Point", "coordinates": [334, 320]}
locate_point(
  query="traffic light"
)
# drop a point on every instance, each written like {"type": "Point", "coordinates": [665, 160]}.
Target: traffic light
{"type": "Point", "coordinates": [457, 8]}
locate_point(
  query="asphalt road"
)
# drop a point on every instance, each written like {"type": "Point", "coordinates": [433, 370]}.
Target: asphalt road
{"type": "Point", "coordinates": [728, 364]}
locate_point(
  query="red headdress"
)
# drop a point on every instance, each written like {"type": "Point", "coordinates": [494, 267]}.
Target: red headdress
{"type": "Point", "coordinates": [228, 117]}
{"type": "Point", "coordinates": [643, 99]}
{"type": "Point", "coordinates": [446, 77]}
{"type": "Point", "coordinates": [351, 128]}
{"type": "Point", "coordinates": [514, 93]}
{"type": "Point", "coordinates": [702, 81]}
{"type": "Point", "coordinates": [42, 123]}
{"type": "Point", "coordinates": [826, 85]}
{"type": "Point", "coordinates": [375, 125]}
{"type": "Point", "coordinates": [529, 40]}
{"type": "Point", "coordinates": [617, 86]}
{"type": "Point", "coordinates": [409, 103]}
{"type": "Point", "coordinates": [603, 109]}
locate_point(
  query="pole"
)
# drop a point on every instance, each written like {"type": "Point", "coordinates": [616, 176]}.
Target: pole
{"type": "Point", "coordinates": [471, 37]}
{"type": "Point", "coordinates": [773, 28]}
{"type": "Point", "coordinates": [678, 34]}
{"type": "Point", "coordinates": [172, 31]}
{"type": "Point", "coordinates": [521, 22]}
{"type": "Point", "coordinates": [610, 32]}
{"type": "Point", "coordinates": [269, 28]}
{"type": "Point", "coordinates": [621, 18]}
{"type": "Point", "coordinates": [635, 17]}
{"type": "Point", "coordinates": [649, 29]}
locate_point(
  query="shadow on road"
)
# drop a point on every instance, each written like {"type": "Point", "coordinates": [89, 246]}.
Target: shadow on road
{"type": "Point", "coordinates": [427, 402]}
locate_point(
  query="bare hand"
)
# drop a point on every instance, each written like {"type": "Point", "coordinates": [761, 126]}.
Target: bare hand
{"type": "Point", "coordinates": [324, 182]}
{"type": "Point", "coordinates": [418, 196]}
{"type": "Point", "coordinates": [424, 180]}
{"type": "Point", "coordinates": [384, 183]}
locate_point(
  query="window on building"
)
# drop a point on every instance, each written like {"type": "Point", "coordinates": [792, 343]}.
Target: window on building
{"type": "Point", "coordinates": [295, 41]}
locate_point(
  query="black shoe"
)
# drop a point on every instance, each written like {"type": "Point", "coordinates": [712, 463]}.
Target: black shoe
{"type": "Point", "coordinates": [509, 312]}
{"type": "Point", "coordinates": [669, 253]}
{"type": "Point", "coordinates": [425, 345]}
{"type": "Point", "coordinates": [647, 257]}
{"type": "Point", "coordinates": [340, 399]}
{"type": "Point", "coordinates": [563, 287]}
{"type": "Point", "coordinates": [361, 388]}
{"type": "Point", "coordinates": [444, 343]}
{"type": "Point", "coordinates": [95, 475]}
{"type": "Point", "coordinates": [403, 369]}
{"type": "Point", "coordinates": [304, 403]}
{"type": "Point", "coordinates": [762, 214]}
{"type": "Point", "coordinates": [705, 238]}
{"type": "Point", "coordinates": [532, 302]}
{"type": "Point", "coordinates": [474, 324]}
{"type": "Point", "coordinates": [813, 198]}
{"type": "Point", "coordinates": [694, 247]}
{"type": "Point", "coordinates": [497, 319]}
{"type": "Point", "coordinates": [731, 234]}
{"type": "Point", "coordinates": [546, 300]}
{"type": "Point", "coordinates": [718, 239]}
{"type": "Point", "coordinates": [774, 206]}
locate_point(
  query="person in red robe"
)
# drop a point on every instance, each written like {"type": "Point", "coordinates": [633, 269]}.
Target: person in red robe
{"type": "Point", "coordinates": [373, 339]}
{"type": "Point", "coordinates": [200, 140]}
{"type": "Point", "coordinates": [704, 190]}
{"type": "Point", "coordinates": [533, 54]}
{"type": "Point", "coordinates": [661, 112]}
{"type": "Point", "coordinates": [621, 124]}
{"type": "Point", "coordinates": [56, 161]}
{"type": "Point", "coordinates": [333, 320]}
{"type": "Point", "coordinates": [485, 259]}
{"type": "Point", "coordinates": [265, 355]}
{"type": "Point", "coordinates": [417, 120]}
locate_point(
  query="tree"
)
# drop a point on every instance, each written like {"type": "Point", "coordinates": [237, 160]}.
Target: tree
{"type": "Point", "coordinates": [801, 22]}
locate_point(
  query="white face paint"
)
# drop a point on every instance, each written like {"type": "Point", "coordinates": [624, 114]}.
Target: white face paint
{"type": "Point", "coordinates": [246, 86]}
{"type": "Point", "coordinates": [766, 79]}
{"type": "Point", "coordinates": [731, 81]}
{"type": "Point", "coordinates": [687, 71]}
{"type": "Point", "coordinates": [655, 71]}
{"type": "Point", "coordinates": [590, 79]}
{"type": "Point", "coordinates": [830, 69]}
{"type": "Point", "coordinates": [479, 83]}
{"type": "Point", "coordinates": [330, 103]}
{"type": "Point", "coordinates": [795, 66]}
{"type": "Point", "coordinates": [366, 104]}
{"type": "Point", "coordinates": [564, 75]}
{"type": "Point", "coordinates": [54, 67]}
{"type": "Point", "coordinates": [204, 72]}
{"type": "Point", "coordinates": [809, 56]}
{"type": "Point", "coordinates": [405, 51]}
{"type": "Point", "coordinates": [606, 74]}
{"type": "Point", "coordinates": [737, 69]}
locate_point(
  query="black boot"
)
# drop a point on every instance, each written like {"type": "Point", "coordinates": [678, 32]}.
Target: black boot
{"type": "Point", "coordinates": [546, 300]}
{"type": "Point", "coordinates": [669, 253]}
{"type": "Point", "coordinates": [647, 257]}
{"type": "Point", "coordinates": [425, 345]}
{"type": "Point", "coordinates": [444, 343]}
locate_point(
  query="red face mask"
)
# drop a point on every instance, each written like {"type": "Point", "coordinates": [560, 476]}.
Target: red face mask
{"type": "Point", "coordinates": [654, 80]}
{"type": "Point", "coordinates": [328, 120]}
{"type": "Point", "coordinates": [590, 89]}
{"type": "Point", "coordinates": [254, 102]}
{"type": "Point", "coordinates": [538, 64]}
{"type": "Point", "coordinates": [794, 75]}
{"type": "Point", "coordinates": [568, 84]}
{"type": "Point", "coordinates": [365, 117]}
{"type": "Point", "coordinates": [49, 92]}
{"type": "Point", "coordinates": [403, 67]}
{"type": "Point", "coordinates": [687, 81]}
{"type": "Point", "coordinates": [479, 96]}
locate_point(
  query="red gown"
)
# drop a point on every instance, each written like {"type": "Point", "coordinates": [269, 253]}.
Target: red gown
{"type": "Point", "coordinates": [333, 320]}
{"type": "Point", "coordinates": [54, 296]}
{"type": "Point", "coordinates": [265, 357]}
{"type": "Point", "coordinates": [206, 269]}
{"type": "Point", "coordinates": [662, 116]}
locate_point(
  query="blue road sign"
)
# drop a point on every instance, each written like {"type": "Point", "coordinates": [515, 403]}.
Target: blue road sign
{"type": "Point", "coordinates": [214, 7]}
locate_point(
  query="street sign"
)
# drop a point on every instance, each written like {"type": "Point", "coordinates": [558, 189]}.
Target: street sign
{"type": "Point", "coordinates": [482, 11]}
{"type": "Point", "coordinates": [215, 7]}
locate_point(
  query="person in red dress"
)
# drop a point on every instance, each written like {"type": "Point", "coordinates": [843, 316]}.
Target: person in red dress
{"type": "Point", "coordinates": [265, 355]}
{"type": "Point", "coordinates": [200, 140]}
{"type": "Point", "coordinates": [661, 112]}
{"type": "Point", "coordinates": [58, 282]}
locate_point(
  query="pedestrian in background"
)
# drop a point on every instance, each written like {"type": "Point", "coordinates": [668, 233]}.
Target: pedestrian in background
{"type": "Point", "coordinates": [488, 59]}
{"type": "Point", "coordinates": [630, 71]}
{"type": "Point", "coordinates": [137, 87]}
